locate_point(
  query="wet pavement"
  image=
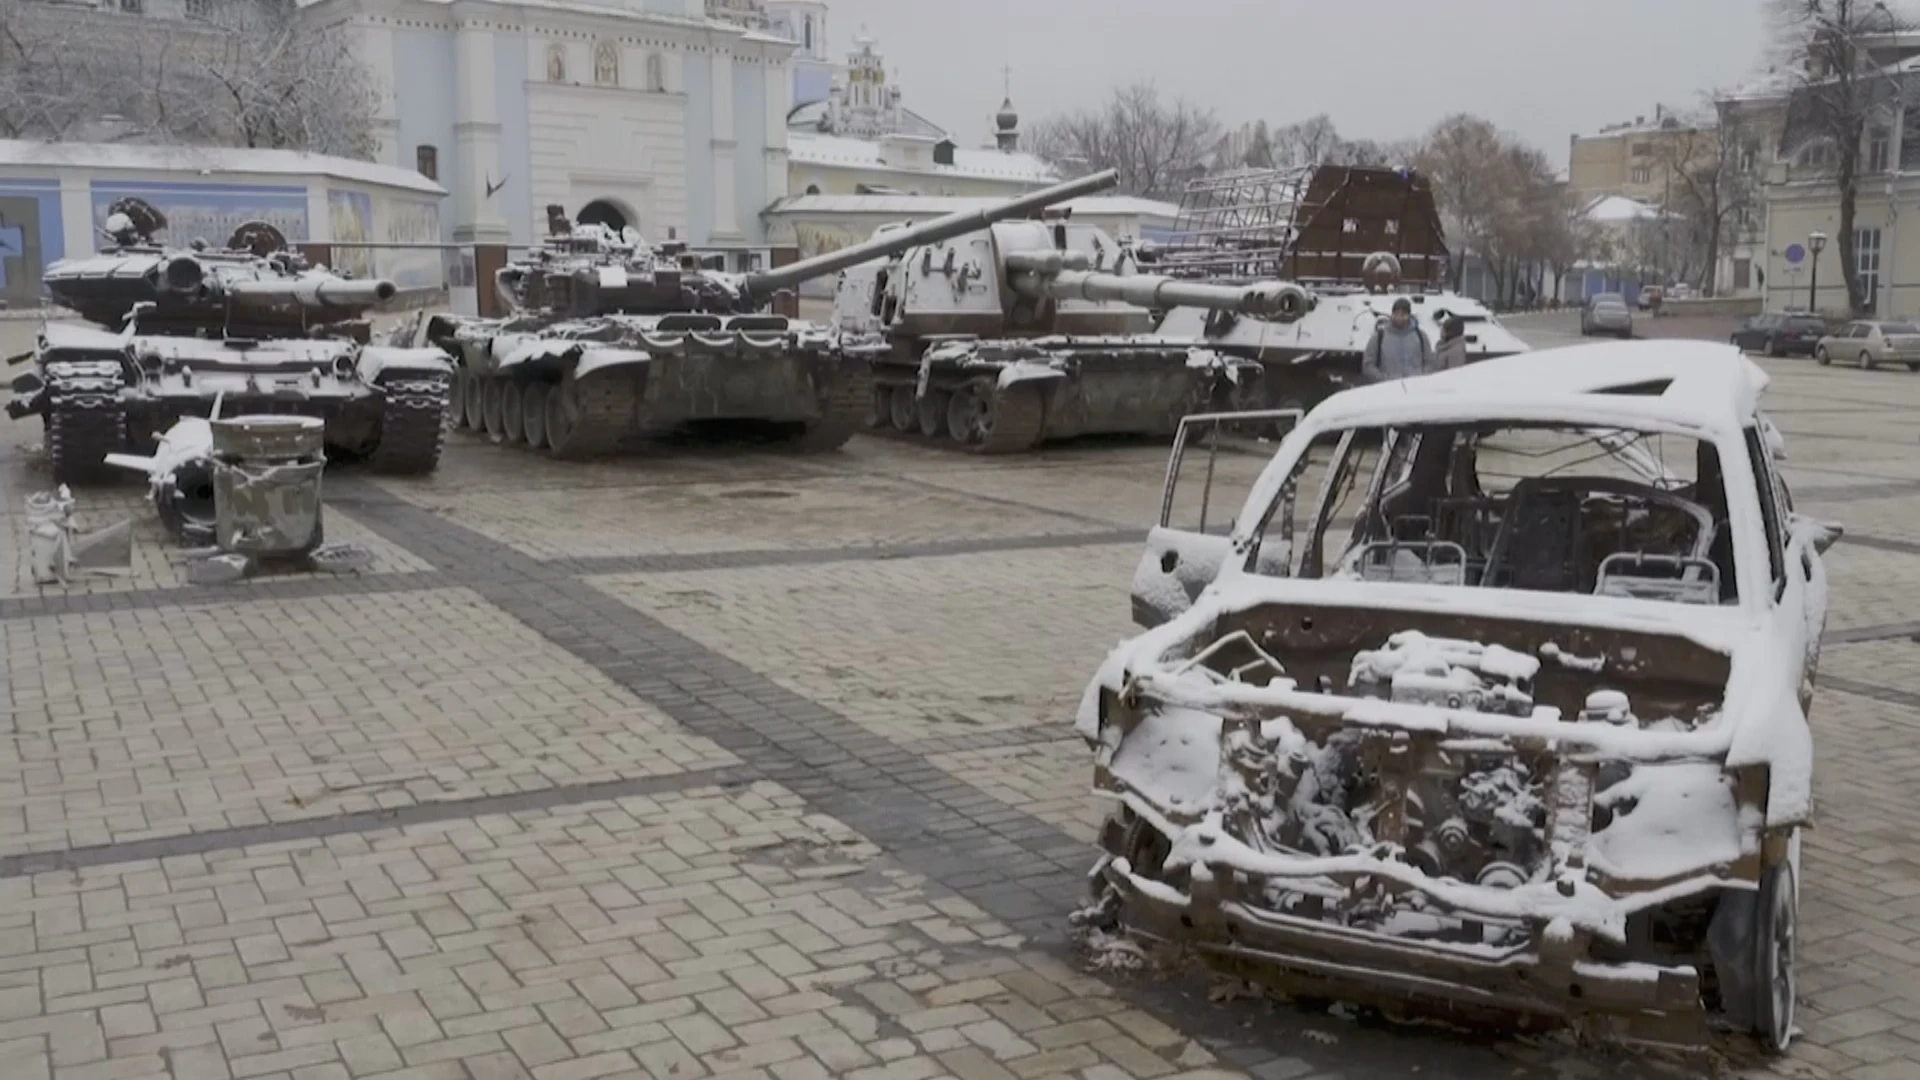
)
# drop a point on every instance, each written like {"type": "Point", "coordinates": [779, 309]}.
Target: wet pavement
{"type": "Point", "coordinates": [733, 764]}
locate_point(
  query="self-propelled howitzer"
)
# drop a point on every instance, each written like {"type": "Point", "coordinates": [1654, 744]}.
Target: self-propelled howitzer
{"type": "Point", "coordinates": [1026, 331]}
{"type": "Point", "coordinates": [176, 329]}
{"type": "Point", "coordinates": [612, 337]}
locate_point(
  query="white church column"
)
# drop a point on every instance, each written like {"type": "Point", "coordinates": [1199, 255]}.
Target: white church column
{"type": "Point", "coordinates": [476, 132]}
{"type": "Point", "coordinates": [726, 216]}
{"type": "Point", "coordinates": [779, 94]}
{"type": "Point", "coordinates": [376, 52]}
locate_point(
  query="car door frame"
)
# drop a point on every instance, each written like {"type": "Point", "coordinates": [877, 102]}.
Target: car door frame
{"type": "Point", "coordinates": [1188, 560]}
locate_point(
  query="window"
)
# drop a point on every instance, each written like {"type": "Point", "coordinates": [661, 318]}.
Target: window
{"type": "Point", "coordinates": [813, 189]}
{"type": "Point", "coordinates": [132, 7]}
{"type": "Point", "coordinates": [1742, 273]}
{"type": "Point", "coordinates": [1866, 264]}
{"type": "Point", "coordinates": [1746, 160]}
{"type": "Point", "coordinates": [427, 160]}
{"type": "Point", "coordinates": [1642, 174]}
{"type": "Point", "coordinates": [199, 9]}
{"type": "Point", "coordinates": [809, 33]}
{"type": "Point", "coordinates": [656, 73]}
{"type": "Point", "coordinates": [1814, 155]}
{"type": "Point", "coordinates": [1879, 150]}
{"type": "Point", "coordinates": [1641, 149]}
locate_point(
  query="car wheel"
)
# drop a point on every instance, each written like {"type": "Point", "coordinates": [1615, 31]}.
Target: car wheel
{"type": "Point", "coordinates": [1775, 936]}
{"type": "Point", "coordinates": [1822, 357]}
{"type": "Point", "coordinates": [1866, 361]}
{"type": "Point", "coordinates": [1911, 366]}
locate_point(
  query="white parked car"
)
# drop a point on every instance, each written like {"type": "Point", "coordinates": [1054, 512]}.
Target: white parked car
{"type": "Point", "coordinates": [1503, 707]}
{"type": "Point", "coordinates": [1870, 343]}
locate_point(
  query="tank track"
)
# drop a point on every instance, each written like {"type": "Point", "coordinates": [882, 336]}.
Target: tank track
{"type": "Point", "coordinates": [412, 426]}
{"type": "Point", "coordinates": [843, 411]}
{"type": "Point", "coordinates": [1018, 412]}
{"type": "Point", "coordinates": [86, 419]}
{"type": "Point", "coordinates": [605, 416]}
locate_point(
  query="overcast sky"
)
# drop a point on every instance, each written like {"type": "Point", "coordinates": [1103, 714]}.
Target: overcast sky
{"type": "Point", "coordinates": [1382, 69]}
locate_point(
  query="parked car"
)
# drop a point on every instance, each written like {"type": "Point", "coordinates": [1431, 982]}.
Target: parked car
{"type": "Point", "coordinates": [1682, 291]}
{"type": "Point", "coordinates": [1780, 333]}
{"type": "Point", "coordinates": [1871, 343]}
{"type": "Point", "coordinates": [1606, 313]}
{"type": "Point", "coordinates": [1512, 715]}
{"type": "Point", "coordinates": [1650, 297]}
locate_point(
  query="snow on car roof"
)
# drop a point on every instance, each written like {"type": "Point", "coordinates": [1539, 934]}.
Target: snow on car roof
{"type": "Point", "coordinates": [1700, 384]}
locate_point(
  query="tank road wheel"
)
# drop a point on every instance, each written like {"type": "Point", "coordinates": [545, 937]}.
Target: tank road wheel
{"type": "Point", "coordinates": [585, 422]}
{"type": "Point", "coordinates": [902, 410]}
{"type": "Point", "coordinates": [931, 413]}
{"type": "Point", "coordinates": [473, 397]}
{"type": "Point", "coordinates": [533, 414]}
{"type": "Point", "coordinates": [1774, 938]}
{"type": "Point", "coordinates": [492, 400]}
{"type": "Point", "coordinates": [988, 419]}
{"type": "Point", "coordinates": [457, 401]}
{"type": "Point", "coordinates": [879, 410]}
{"type": "Point", "coordinates": [512, 420]}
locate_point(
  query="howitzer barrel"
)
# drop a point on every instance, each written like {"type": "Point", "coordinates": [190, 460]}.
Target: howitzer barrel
{"type": "Point", "coordinates": [761, 286]}
{"type": "Point", "coordinates": [317, 293]}
{"type": "Point", "coordinates": [1274, 299]}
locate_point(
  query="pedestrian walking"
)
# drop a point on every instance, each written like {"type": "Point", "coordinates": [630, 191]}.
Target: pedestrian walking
{"type": "Point", "coordinates": [1399, 349]}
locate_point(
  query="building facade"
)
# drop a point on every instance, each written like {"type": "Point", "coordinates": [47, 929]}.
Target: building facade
{"type": "Point", "coordinates": [1638, 160]}
{"type": "Point", "coordinates": [55, 197]}
{"type": "Point", "coordinates": [669, 116]}
{"type": "Point", "coordinates": [804, 22]}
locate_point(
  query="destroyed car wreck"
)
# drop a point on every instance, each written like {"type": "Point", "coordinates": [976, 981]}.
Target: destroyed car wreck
{"type": "Point", "coordinates": [1508, 724]}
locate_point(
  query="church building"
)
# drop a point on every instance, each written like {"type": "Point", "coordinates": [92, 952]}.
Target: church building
{"type": "Point", "coordinates": [669, 115]}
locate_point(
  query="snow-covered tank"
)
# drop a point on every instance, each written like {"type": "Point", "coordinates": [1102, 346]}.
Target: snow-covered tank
{"type": "Point", "coordinates": [177, 328]}
{"type": "Point", "coordinates": [1027, 331]}
{"type": "Point", "coordinates": [1361, 238]}
{"type": "Point", "coordinates": [612, 338]}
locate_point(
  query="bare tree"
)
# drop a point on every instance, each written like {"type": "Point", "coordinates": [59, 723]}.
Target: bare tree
{"type": "Point", "coordinates": [1156, 146]}
{"type": "Point", "coordinates": [1462, 157]}
{"type": "Point", "coordinates": [253, 75]}
{"type": "Point", "coordinates": [1247, 146]}
{"type": "Point", "coordinates": [1710, 190]}
{"type": "Point", "coordinates": [1841, 88]}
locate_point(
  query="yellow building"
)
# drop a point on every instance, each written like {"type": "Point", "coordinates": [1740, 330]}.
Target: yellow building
{"type": "Point", "coordinates": [1638, 160]}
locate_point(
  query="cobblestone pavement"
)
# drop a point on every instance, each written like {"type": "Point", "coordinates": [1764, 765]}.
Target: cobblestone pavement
{"type": "Point", "coordinates": [729, 764]}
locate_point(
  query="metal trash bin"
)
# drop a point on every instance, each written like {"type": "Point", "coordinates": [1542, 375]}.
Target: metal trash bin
{"type": "Point", "coordinates": [266, 484]}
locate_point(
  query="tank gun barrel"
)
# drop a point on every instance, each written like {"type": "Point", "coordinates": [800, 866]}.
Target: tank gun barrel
{"type": "Point", "coordinates": [761, 286]}
{"type": "Point", "coordinates": [1043, 276]}
{"type": "Point", "coordinates": [317, 293]}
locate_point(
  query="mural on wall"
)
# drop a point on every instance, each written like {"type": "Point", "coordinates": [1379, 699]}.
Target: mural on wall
{"type": "Point", "coordinates": [210, 212]}
{"type": "Point", "coordinates": [350, 216]}
{"type": "Point", "coordinates": [410, 221]}
{"type": "Point", "coordinates": [818, 239]}
{"type": "Point", "coordinates": [30, 238]}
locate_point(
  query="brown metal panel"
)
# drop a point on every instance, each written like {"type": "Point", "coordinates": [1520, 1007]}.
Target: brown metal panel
{"type": "Point", "coordinates": [487, 261]}
{"type": "Point", "coordinates": [789, 304]}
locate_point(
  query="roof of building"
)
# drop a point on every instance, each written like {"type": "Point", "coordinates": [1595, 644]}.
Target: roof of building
{"type": "Point", "coordinates": [935, 205]}
{"type": "Point", "coordinates": [808, 148]}
{"type": "Point", "coordinates": [1608, 209]}
{"type": "Point", "coordinates": [805, 118]}
{"type": "Point", "coordinates": [208, 160]}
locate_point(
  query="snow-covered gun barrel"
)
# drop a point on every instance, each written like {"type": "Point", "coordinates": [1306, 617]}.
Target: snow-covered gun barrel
{"type": "Point", "coordinates": [761, 287]}
{"type": "Point", "coordinates": [1053, 275]}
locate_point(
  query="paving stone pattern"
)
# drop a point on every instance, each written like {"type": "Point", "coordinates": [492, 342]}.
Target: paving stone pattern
{"type": "Point", "coordinates": [740, 765]}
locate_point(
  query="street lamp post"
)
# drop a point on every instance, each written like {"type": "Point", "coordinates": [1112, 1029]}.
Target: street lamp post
{"type": "Point", "coordinates": [1816, 243]}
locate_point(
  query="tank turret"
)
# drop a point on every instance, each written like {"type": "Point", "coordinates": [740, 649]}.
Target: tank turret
{"type": "Point", "coordinates": [585, 270]}
{"type": "Point", "coordinates": [254, 287]}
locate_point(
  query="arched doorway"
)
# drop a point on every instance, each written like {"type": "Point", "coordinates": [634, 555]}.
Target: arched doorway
{"type": "Point", "coordinates": [602, 212]}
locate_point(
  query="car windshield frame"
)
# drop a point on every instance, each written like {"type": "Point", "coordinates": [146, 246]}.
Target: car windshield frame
{"type": "Point", "coordinates": [1312, 518]}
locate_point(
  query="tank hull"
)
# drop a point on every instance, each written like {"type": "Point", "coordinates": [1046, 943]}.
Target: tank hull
{"type": "Point", "coordinates": [1004, 396]}
{"type": "Point", "coordinates": [592, 387]}
{"type": "Point", "coordinates": [101, 393]}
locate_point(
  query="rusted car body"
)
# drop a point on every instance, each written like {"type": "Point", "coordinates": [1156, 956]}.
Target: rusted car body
{"type": "Point", "coordinates": [1509, 721]}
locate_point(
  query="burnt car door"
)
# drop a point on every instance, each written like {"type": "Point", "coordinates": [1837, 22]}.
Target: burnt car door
{"type": "Point", "coordinates": [1191, 541]}
{"type": "Point", "coordinates": [1795, 546]}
